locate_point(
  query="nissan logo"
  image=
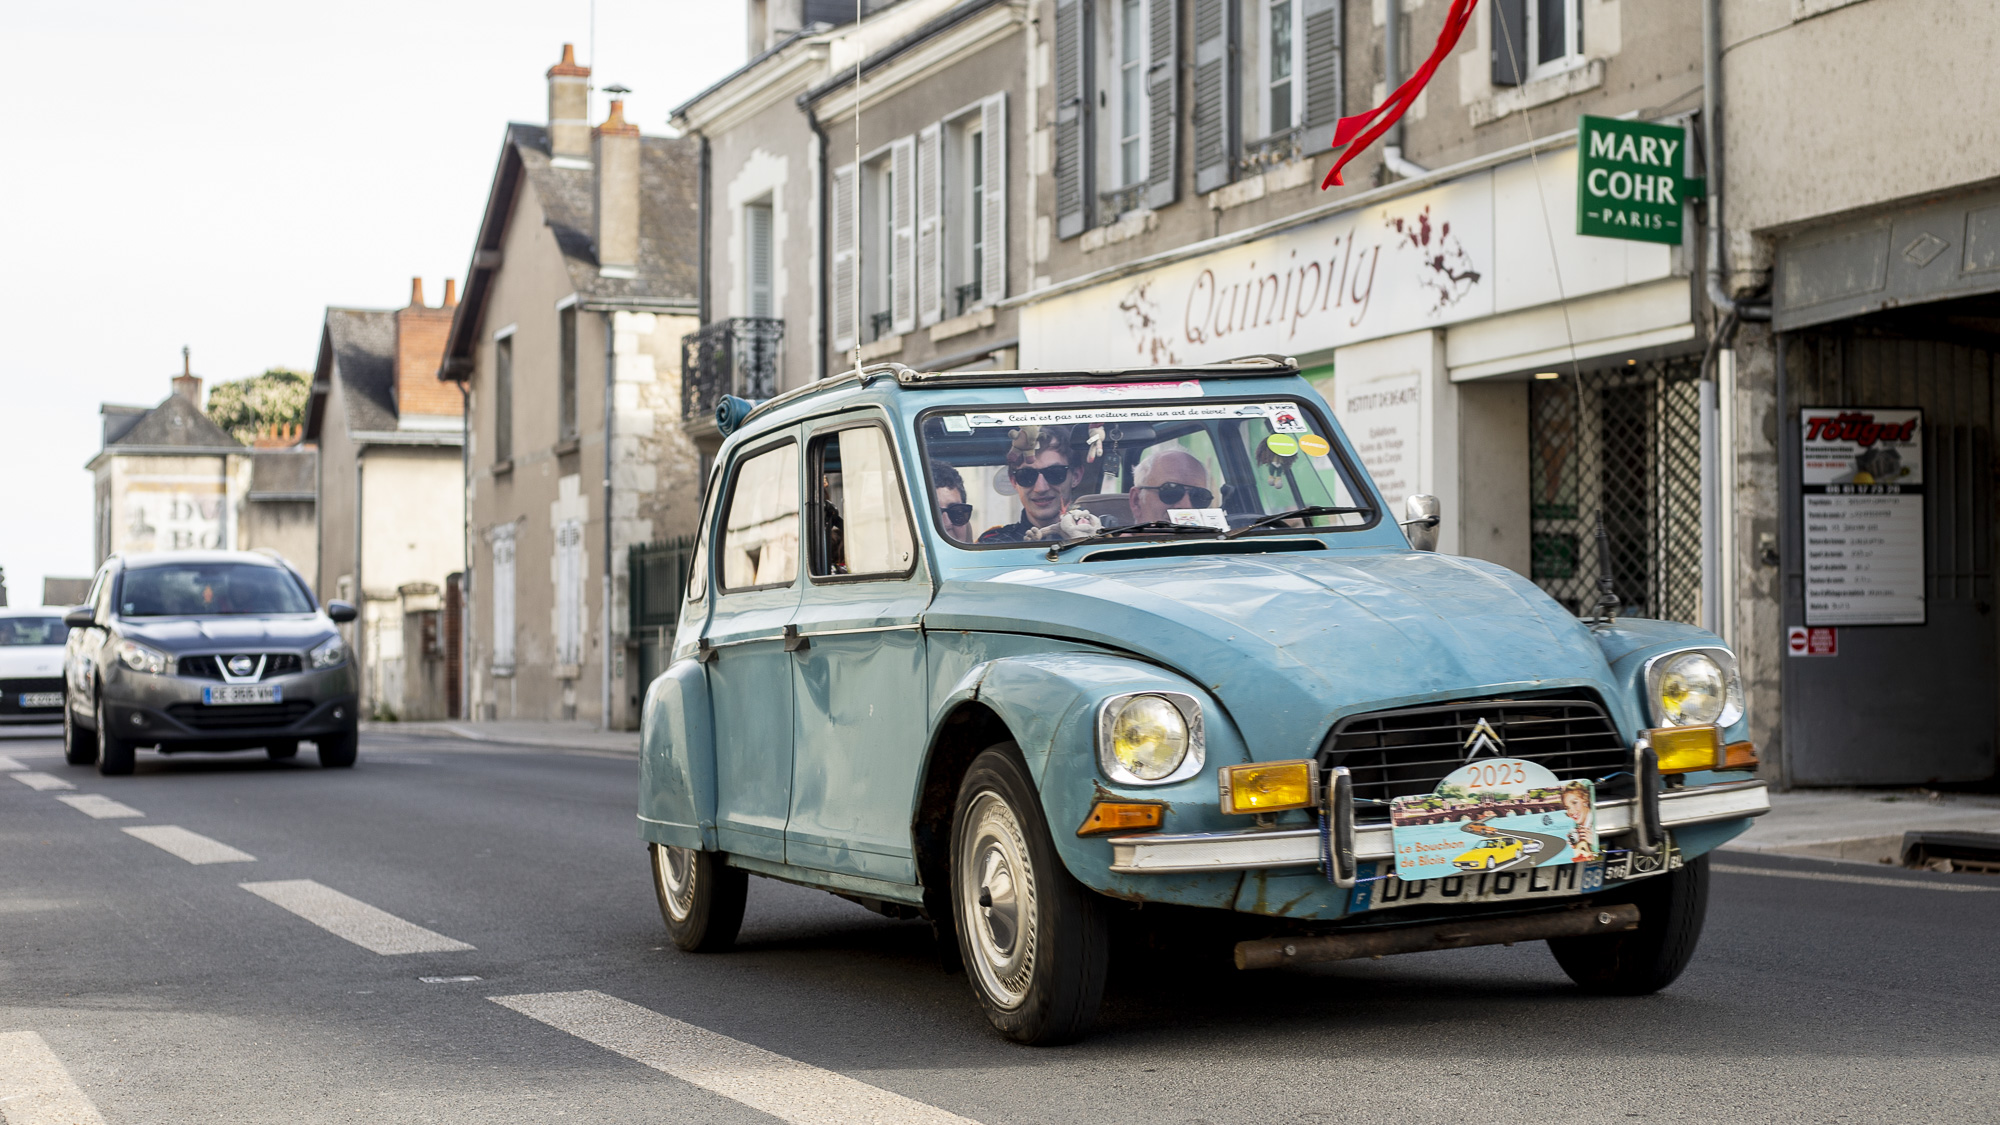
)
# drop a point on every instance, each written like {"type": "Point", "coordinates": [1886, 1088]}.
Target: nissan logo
{"type": "Point", "coordinates": [241, 665]}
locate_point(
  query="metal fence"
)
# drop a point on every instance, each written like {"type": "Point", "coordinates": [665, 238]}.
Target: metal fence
{"type": "Point", "coordinates": [1634, 454]}
{"type": "Point", "coordinates": [738, 356]}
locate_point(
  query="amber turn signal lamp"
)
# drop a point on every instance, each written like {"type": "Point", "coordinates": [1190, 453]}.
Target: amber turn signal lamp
{"type": "Point", "coordinates": [1684, 749]}
{"type": "Point", "coordinates": [1740, 756]}
{"type": "Point", "coordinates": [1121, 816]}
{"type": "Point", "coordinates": [1262, 787]}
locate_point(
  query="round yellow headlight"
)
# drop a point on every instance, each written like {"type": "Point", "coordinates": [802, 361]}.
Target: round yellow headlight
{"type": "Point", "coordinates": [1693, 690]}
{"type": "Point", "coordinates": [1149, 737]}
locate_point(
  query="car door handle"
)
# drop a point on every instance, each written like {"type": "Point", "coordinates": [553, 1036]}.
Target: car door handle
{"type": "Point", "coordinates": [794, 642]}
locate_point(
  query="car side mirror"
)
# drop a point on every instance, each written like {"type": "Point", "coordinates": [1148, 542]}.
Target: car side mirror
{"type": "Point", "coordinates": [1422, 524]}
{"type": "Point", "coordinates": [82, 617]}
{"type": "Point", "coordinates": [341, 612]}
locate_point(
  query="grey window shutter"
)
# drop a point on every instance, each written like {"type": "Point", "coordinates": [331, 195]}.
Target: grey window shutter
{"type": "Point", "coordinates": [1510, 42]}
{"type": "Point", "coordinates": [1073, 117]}
{"type": "Point", "coordinates": [1163, 85]}
{"type": "Point", "coordinates": [844, 273]}
{"type": "Point", "coordinates": [993, 204]}
{"type": "Point", "coordinates": [1214, 100]}
{"type": "Point", "coordinates": [1326, 72]}
{"type": "Point", "coordinates": [903, 224]}
{"type": "Point", "coordinates": [930, 228]}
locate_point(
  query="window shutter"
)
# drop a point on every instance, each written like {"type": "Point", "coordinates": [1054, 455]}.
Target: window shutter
{"type": "Point", "coordinates": [1326, 72]}
{"type": "Point", "coordinates": [930, 228]}
{"type": "Point", "coordinates": [903, 222]}
{"type": "Point", "coordinates": [503, 598]}
{"type": "Point", "coordinates": [1073, 117]}
{"type": "Point", "coordinates": [844, 273]}
{"type": "Point", "coordinates": [1510, 42]}
{"type": "Point", "coordinates": [757, 224]}
{"type": "Point", "coordinates": [1163, 87]}
{"type": "Point", "coordinates": [993, 220]}
{"type": "Point", "coordinates": [1214, 107]}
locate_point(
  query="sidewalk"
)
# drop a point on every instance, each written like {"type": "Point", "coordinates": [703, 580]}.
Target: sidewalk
{"type": "Point", "coordinates": [567, 736]}
{"type": "Point", "coordinates": [1862, 825]}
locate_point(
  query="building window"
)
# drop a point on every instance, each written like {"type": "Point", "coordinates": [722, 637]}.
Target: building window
{"type": "Point", "coordinates": [1131, 92]}
{"type": "Point", "coordinates": [566, 373]}
{"type": "Point", "coordinates": [878, 252]}
{"type": "Point", "coordinates": [965, 232]}
{"type": "Point", "coordinates": [1555, 31]}
{"type": "Point", "coordinates": [1280, 67]}
{"type": "Point", "coordinates": [757, 236]}
{"type": "Point", "coordinates": [503, 398]}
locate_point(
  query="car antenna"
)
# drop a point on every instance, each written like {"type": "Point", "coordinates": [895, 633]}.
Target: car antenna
{"type": "Point", "coordinates": [1607, 597]}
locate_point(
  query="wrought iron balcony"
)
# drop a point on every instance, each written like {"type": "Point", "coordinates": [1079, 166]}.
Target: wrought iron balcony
{"type": "Point", "coordinates": [738, 356]}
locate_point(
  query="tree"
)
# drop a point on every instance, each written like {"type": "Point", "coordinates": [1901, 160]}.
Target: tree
{"type": "Point", "coordinates": [249, 407]}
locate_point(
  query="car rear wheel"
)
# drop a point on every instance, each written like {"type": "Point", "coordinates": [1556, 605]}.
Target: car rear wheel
{"type": "Point", "coordinates": [1671, 910]}
{"type": "Point", "coordinates": [701, 897]}
{"type": "Point", "coordinates": [279, 751]}
{"type": "Point", "coordinates": [77, 750]}
{"type": "Point", "coordinates": [114, 754]}
{"type": "Point", "coordinates": [338, 751]}
{"type": "Point", "coordinates": [1035, 942]}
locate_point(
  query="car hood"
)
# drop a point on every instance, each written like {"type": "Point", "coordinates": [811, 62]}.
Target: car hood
{"type": "Point", "coordinates": [1290, 642]}
{"type": "Point", "coordinates": [23, 662]}
{"type": "Point", "coordinates": [247, 633]}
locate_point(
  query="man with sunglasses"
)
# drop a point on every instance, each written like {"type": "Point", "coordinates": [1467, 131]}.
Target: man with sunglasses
{"type": "Point", "coordinates": [1169, 478]}
{"type": "Point", "coordinates": [954, 514]}
{"type": "Point", "coordinates": [1042, 480]}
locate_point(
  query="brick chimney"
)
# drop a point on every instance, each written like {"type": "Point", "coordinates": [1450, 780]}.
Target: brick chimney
{"type": "Point", "coordinates": [420, 340]}
{"type": "Point", "coordinates": [569, 110]}
{"type": "Point", "coordinates": [187, 384]}
{"type": "Point", "coordinates": [617, 212]}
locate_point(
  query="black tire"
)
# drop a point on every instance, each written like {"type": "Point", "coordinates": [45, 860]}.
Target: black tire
{"type": "Point", "coordinates": [701, 897]}
{"type": "Point", "coordinates": [114, 754]}
{"type": "Point", "coordinates": [77, 750]}
{"type": "Point", "coordinates": [1671, 910]}
{"type": "Point", "coordinates": [1035, 942]}
{"type": "Point", "coordinates": [280, 751]}
{"type": "Point", "coordinates": [338, 751]}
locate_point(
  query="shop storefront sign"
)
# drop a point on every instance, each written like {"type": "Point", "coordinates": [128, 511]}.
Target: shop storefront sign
{"type": "Point", "coordinates": [1629, 179]}
{"type": "Point", "coordinates": [1862, 474]}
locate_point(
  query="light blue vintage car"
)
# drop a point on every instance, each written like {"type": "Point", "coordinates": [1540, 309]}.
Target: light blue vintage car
{"type": "Point", "coordinates": [1021, 652]}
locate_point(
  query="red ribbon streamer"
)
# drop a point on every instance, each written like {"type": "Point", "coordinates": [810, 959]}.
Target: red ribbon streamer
{"type": "Point", "coordinates": [1377, 121]}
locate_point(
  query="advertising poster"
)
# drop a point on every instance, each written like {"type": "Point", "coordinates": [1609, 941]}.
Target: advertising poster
{"type": "Point", "coordinates": [1862, 479]}
{"type": "Point", "coordinates": [1499, 814]}
{"type": "Point", "coordinates": [1383, 417]}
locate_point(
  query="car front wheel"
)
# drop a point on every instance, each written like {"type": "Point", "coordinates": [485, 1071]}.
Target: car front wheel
{"type": "Point", "coordinates": [1671, 910]}
{"type": "Point", "coordinates": [114, 754]}
{"type": "Point", "coordinates": [1033, 939]}
{"type": "Point", "coordinates": [701, 897]}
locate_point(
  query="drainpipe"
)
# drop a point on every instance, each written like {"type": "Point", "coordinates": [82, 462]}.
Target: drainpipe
{"type": "Point", "coordinates": [819, 244]}
{"type": "Point", "coordinates": [1392, 65]}
{"type": "Point", "coordinates": [1711, 126]}
{"type": "Point", "coordinates": [701, 234]}
{"type": "Point", "coordinates": [610, 387]}
{"type": "Point", "coordinates": [465, 552]}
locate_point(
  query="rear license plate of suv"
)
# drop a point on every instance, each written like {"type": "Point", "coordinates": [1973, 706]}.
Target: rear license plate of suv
{"type": "Point", "coordinates": [41, 699]}
{"type": "Point", "coordinates": [1486, 886]}
{"type": "Point", "coordinates": [226, 694]}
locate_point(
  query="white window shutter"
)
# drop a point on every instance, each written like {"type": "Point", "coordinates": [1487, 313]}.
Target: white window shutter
{"type": "Point", "coordinates": [569, 592]}
{"type": "Point", "coordinates": [930, 227]}
{"type": "Point", "coordinates": [846, 278]}
{"type": "Point", "coordinates": [903, 221]}
{"type": "Point", "coordinates": [993, 232]}
{"type": "Point", "coordinates": [1214, 102]}
{"type": "Point", "coordinates": [1326, 72]}
{"type": "Point", "coordinates": [503, 598]}
{"type": "Point", "coordinates": [1073, 111]}
{"type": "Point", "coordinates": [1163, 116]}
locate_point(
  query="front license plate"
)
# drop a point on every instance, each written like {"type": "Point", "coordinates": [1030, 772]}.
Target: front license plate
{"type": "Point", "coordinates": [41, 699]}
{"type": "Point", "coordinates": [227, 694]}
{"type": "Point", "coordinates": [1559, 881]}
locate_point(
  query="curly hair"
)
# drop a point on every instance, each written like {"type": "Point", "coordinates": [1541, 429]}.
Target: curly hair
{"type": "Point", "coordinates": [946, 476]}
{"type": "Point", "coordinates": [1031, 442]}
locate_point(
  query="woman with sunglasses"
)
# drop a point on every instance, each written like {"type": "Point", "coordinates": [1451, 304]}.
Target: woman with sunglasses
{"type": "Point", "coordinates": [1038, 466]}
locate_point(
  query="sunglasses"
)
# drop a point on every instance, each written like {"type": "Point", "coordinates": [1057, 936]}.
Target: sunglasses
{"type": "Point", "coordinates": [1172, 492]}
{"type": "Point", "coordinates": [956, 514]}
{"type": "Point", "coordinates": [1054, 474]}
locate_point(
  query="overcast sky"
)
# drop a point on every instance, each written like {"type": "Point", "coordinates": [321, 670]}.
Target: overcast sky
{"type": "Point", "coordinates": [215, 174]}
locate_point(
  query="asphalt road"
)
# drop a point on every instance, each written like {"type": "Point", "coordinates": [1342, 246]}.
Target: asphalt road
{"type": "Point", "coordinates": [160, 990]}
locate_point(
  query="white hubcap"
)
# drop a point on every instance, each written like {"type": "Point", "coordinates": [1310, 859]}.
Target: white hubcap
{"type": "Point", "coordinates": [996, 888]}
{"type": "Point", "coordinates": [675, 869]}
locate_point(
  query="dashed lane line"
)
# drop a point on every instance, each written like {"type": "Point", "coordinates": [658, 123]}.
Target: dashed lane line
{"type": "Point", "coordinates": [9, 765]}
{"type": "Point", "coordinates": [1864, 880]}
{"type": "Point", "coordinates": [376, 930]}
{"type": "Point", "coordinates": [99, 807]}
{"type": "Point", "coordinates": [35, 779]}
{"type": "Point", "coordinates": [35, 1087]}
{"type": "Point", "coordinates": [782, 1087]}
{"type": "Point", "coordinates": [191, 846]}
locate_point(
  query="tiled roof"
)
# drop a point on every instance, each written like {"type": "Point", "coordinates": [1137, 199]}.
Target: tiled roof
{"type": "Point", "coordinates": [364, 357]}
{"type": "Point", "coordinates": [175, 422]}
{"type": "Point", "coordinates": [669, 219]}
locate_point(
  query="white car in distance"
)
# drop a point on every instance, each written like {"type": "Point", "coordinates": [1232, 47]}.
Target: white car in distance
{"type": "Point", "coordinates": [31, 659]}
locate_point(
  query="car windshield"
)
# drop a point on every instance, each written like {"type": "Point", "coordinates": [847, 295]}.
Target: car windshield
{"type": "Point", "coordinates": [32, 631]}
{"type": "Point", "coordinates": [205, 589]}
{"type": "Point", "coordinates": [1009, 476]}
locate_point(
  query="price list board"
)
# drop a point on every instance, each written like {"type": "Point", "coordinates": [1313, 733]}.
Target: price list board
{"type": "Point", "coordinates": [1863, 498]}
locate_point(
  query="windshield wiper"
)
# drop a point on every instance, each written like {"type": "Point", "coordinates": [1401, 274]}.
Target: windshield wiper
{"type": "Point", "coordinates": [1056, 550]}
{"type": "Point", "coordinates": [1307, 512]}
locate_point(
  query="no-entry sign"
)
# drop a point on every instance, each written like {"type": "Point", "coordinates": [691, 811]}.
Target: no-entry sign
{"type": "Point", "coordinates": [1803, 640]}
{"type": "Point", "coordinates": [1630, 179]}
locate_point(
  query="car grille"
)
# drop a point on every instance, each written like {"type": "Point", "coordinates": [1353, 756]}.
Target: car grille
{"type": "Point", "coordinates": [240, 716]}
{"type": "Point", "coordinates": [210, 668]}
{"type": "Point", "coordinates": [11, 692]}
{"type": "Point", "coordinates": [1406, 752]}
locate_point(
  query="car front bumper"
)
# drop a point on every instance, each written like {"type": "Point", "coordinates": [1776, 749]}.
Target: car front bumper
{"type": "Point", "coordinates": [1250, 850]}
{"type": "Point", "coordinates": [168, 710]}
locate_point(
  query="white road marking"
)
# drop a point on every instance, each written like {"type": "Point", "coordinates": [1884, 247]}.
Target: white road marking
{"type": "Point", "coordinates": [784, 1088]}
{"type": "Point", "coordinates": [1865, 880]}
{"type": "Point", "coordinates": [35, 1087]}
{"type": "Point", "coordinates": [190, 846]}
{"type": "Point", "coordinates": [35, 779]}
{"type": "Point", "coordinates": [449, 980]}
{"type": "Point", "coordinates": [9, 765]}
{"type": "Point", "coordinates": [376, 930]}
{"type": "Point", "coordinates": [99, 807]}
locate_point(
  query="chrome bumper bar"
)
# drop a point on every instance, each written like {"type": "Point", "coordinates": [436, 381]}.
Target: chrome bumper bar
{"type": "Point", "coordinates": [1299, 847]}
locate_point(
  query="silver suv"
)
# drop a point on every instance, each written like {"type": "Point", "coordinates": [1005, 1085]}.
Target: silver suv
{"type": "Point", "coordinates": [207, 650]}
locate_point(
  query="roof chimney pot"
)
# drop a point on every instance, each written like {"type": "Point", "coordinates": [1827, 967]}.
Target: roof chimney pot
{"type": "Point", "coordinates": [451, 292]}
{"type": "Point", "coordinates": [416, 292]}
{"type": "Point", "coordinates": [617, 212]}
{"type": "Point", "coordinates": [186, 384]}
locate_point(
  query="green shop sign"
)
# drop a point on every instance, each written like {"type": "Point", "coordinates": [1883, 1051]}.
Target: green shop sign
{"type": "Point", "coordinates": [1629, 181]}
